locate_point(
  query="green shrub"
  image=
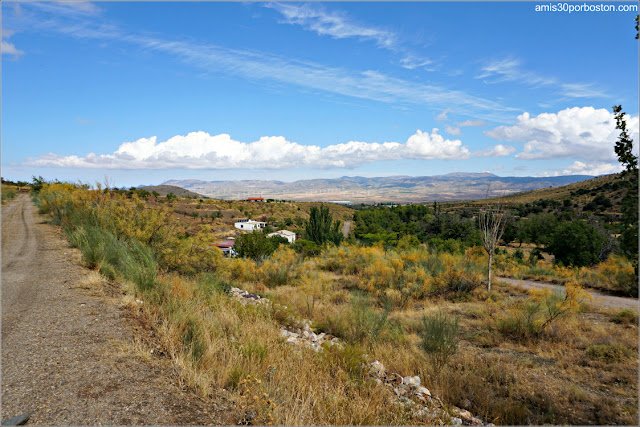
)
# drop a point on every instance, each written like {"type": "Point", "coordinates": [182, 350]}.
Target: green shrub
{"type": "Point", "coordinates": [608, 353]}
{"type": "Point", "coordinates": [114, 257]}
{"type": "Point", "coordinates": [8, 193]}
{"type": "Point", "coordinates": [439, 338]}
{"type": "Point", "coordinates": [626, 317]}
{"type": "Point", "coordinates": [348, 361]}
{"type": "Point", "coordinates": [523, 322]}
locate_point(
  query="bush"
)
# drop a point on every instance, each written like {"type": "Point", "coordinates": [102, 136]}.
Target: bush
{"type": "Point", "coordinates": [626, 317]}
{"type": "Point", "coordinates": [439, 338]}
{"type": "Point", "coordinates": [531, 318]}
{"type": "Point", "coordinates": [608, 353]}
{"type": "Point", "coordinates": [115, 257]}
{"type": "Point", "coordinates": [8, 193]}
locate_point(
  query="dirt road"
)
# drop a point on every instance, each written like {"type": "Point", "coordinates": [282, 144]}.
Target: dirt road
{"type": "Point", "coordinates": [67, 357]}
{"type": "Point", "coordinates": [599, 299]}
{"type": "Point", "coordinates": [346, 228]}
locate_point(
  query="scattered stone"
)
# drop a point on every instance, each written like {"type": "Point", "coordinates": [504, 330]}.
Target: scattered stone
{"type": "Point", "coordinates": [408, 390]}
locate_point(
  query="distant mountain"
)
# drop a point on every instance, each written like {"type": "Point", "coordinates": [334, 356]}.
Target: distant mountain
{"type": "Point", "coordinates": [163, 190]}
{"type": "Point", "coordinates": [357, 189]}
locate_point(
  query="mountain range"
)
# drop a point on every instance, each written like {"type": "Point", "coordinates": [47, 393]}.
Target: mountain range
{"type": "Point", "coordinates": [357, 189]}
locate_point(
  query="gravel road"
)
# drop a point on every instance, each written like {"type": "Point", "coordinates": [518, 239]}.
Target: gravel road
{"type": "Point", "coordinates": [602, 300]}
{"type": "Point", "coordinates": [66, 351]}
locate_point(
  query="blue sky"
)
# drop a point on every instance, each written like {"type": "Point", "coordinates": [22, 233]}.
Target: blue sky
{"type": "Point", "coordinates": [143, 92]}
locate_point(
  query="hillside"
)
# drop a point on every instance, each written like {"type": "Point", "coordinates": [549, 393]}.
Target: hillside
{"type": "Point", "coordinates": [163, 190]}
{"type": "Point", "coordinates": [401, 189]}
{"type": "Point", "coordinates": [588, 195]}
{"type": "Point", "coordinates": [222, 214]}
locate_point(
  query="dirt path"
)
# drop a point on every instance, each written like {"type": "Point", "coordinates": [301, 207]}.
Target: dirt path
{"type": "Point", "coordinates": [67, 357]}
{"type": "Point", "coordinates": [607, 301]}
{"type": "Point", "coordinates": [346, 228]}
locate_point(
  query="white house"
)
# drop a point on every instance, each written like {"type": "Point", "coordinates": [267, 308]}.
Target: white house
{"type": "Point", "coordinates": [289, 235]}
{"type": "Point", "coordinates": [249, 225]}
{"type": "Point", "coordinates": [227, 248]}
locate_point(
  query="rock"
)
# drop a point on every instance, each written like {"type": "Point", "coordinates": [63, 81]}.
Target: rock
{"type": "Point", "coordinates": [377, 369]}
{"type": "Point", "coordinates": [393, 378]}
{"type": "Point", "coordinates": [423, 390]}
{"type": "Point", "coordinates": [411, 381]}
{"type": "Point", "coordinates": [17, 421]}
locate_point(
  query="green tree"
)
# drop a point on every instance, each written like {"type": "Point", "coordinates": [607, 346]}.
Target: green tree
{"type": "Point", "coordinates": [321, 227]}
{"type": "Point", "coordinates": [624, 150]}
{"type": "Point", "coordinates": [258, 246]}
{"type": "Point", "coordinates": [576, 243]}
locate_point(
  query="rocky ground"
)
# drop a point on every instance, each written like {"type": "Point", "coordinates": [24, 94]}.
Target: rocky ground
{"type": "Point", "coordinates": [408, 390]}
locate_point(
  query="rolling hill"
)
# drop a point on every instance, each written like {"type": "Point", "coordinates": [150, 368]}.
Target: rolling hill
{"type": "Point", "coordinates": [401, 189]}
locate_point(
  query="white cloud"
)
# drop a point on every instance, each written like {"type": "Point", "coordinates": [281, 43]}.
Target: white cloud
{"type": "Point", "coordinates": [585, 133]}
{"type": "Point", "coordinates": [595, 168]}
{"type": "Point", "coordinates": [411, 62]}
{"type": "Point", "coordinates": [6, 47]}
{"type": "Point", "coordinates": [443, 116]}
{"type": "Point", "coordinates": [9, 49]}
{"type": "Point", "coordinates": [451, 130]}
{"type": "Point", "coordinates": [69, 8]}
{"type": "Point", "coordinates": [470, 123]}
{"type": "Point", "coordinates": [509, 70]}
{"type": "Point", "coordinates": [496, 151]}
{"type": "Point", "coordinates": [581, 90]}
{"type": "Point", "coordinates": [199, 150]}
{"type": "Point", "coordinates": [260, 66]}
{"type": "Point", "coordinates": [334, 24]}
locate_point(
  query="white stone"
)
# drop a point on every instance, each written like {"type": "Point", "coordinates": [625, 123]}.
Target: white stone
{"type": "Point", "coordinates": [411, 381]}
{"type": "Point", "coordinates": [423, 390]}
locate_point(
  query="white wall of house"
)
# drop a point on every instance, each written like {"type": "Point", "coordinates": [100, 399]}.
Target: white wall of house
{"type": "Point", "coordinates": [249, 225]}
{"type": "Point", "coordinates": [289, 235]}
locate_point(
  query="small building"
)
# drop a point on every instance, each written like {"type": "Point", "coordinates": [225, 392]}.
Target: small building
{"type": "Point", "coordinates": [249, 225]}
{"type": "Point", "coordinates": [289, 235]}
{"type": "Point", "coordinates": [227, 248]}
{"type": "Point", "coordinates": [255, 199]}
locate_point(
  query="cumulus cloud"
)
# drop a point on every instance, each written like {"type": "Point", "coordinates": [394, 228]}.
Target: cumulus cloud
{"type": "Point", "coordinates": [581, 168]}
{"type": "Point", "coordinates": [586, 133]}
{"type": "Point", "coordinates": [496, 151]}
{"type": "Point", "coordinates": [595, 168]}
{"type": "Point", "coordinates": [199, 150]}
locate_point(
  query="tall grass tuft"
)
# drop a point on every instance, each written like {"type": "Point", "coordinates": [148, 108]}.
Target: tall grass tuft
{"type": "Point", "coordinates": [439, 339]}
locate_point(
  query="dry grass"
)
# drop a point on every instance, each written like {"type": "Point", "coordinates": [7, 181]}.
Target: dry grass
{"type": "Point", "coordinates": [375, 301]}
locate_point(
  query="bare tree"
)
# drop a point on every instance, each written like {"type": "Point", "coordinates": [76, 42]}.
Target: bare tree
{"type": "Point", "coordinates": [493, 221]}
